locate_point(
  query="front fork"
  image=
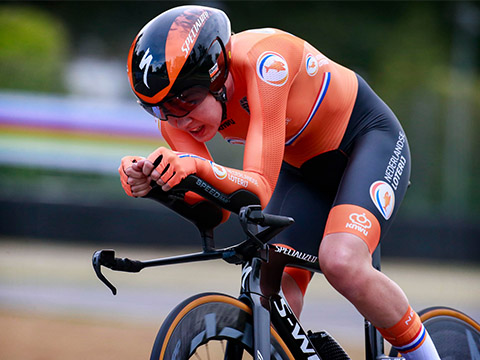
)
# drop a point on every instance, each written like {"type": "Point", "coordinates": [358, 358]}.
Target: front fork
{"type": "Point", "coordinates": [251, 293]}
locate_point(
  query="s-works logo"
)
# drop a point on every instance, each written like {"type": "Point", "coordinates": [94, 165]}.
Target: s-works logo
{"type": "Point", "coordinates": [272, 68]}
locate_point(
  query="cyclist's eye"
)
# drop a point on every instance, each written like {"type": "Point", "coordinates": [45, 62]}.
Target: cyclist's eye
{"type": "Point", "coordinates": [178, 105]}
{"type": "Point", "coordinates": [191, 97]}
{"type": "Point", "coordinates": [183, 103]}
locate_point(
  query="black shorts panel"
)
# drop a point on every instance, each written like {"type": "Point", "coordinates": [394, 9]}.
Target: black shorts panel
{"type": "Point", "coordinates": [373, 156]}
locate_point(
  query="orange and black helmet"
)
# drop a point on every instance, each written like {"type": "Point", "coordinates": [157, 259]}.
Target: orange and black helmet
{"type": "Point", "coordinates": [182, 48]}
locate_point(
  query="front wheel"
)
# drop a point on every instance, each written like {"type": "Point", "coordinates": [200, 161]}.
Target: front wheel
{"type": "Point", "coordinates": [455, 335]}
{"type": "Point", "coordinates": [211, 326]}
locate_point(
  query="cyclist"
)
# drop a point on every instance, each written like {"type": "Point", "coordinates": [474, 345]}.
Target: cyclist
{"type": "Point", "coordinates": [320, 146]}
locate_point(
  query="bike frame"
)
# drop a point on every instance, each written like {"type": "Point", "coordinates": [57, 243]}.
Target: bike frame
{"type": "Point", "coordinates": [273, 308]}
{"type": "Point", "coordinates": [268, 306]}
{"type": "Point", "coordinates": [261, 292]}
{"type": "Point", "coordinates": [276, 311]}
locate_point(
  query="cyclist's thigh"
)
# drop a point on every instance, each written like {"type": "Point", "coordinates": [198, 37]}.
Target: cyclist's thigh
{"type": "Point", "coordinates": [377, 175]}
{"type": "Point", "coordinates": [303, 200]}
{"type": "Point", "coordinates": [308, 200]}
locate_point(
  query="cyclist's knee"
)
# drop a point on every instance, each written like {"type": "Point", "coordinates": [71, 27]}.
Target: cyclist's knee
{"type": "Point", "coordinates": [343, 260]}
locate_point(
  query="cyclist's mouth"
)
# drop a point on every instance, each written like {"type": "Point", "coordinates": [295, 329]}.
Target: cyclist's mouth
{"type": "Point", "coordinates": [197, 130]}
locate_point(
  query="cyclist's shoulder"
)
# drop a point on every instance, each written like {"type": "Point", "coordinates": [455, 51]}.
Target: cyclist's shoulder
{"type": "Point", "coordinates": [257, 41]}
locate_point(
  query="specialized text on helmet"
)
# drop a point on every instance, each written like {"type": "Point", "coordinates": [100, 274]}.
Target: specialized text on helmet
{"type": "Point", "coordinates": [193, 33]}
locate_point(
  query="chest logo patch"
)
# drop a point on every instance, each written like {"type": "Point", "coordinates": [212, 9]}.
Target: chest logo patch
{"type": "Point", "coordinates": [272, 68]}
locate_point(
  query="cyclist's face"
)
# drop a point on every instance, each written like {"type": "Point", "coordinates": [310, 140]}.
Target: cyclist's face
{"type": "Point", "coordinates": [202, 122]}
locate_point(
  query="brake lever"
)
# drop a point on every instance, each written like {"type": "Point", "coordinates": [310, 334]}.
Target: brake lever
{"type": "Point", "coordinates": [106, 258]}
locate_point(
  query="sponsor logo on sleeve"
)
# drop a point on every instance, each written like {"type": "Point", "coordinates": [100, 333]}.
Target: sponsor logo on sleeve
{"type": "Point", "coordinates": [232, 175]}
{"type": "Point", "coordinates": [383, 197]}
{"type": "Point", "coordinates": [219, 171]}
{"type": "Point", "coordinates": [311, 64]}
{"type": "Point", "coordinates": [272, 68]}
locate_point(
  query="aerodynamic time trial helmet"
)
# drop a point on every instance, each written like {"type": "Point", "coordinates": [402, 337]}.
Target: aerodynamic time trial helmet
{"type": "Point", "coordinates": [178, 58]}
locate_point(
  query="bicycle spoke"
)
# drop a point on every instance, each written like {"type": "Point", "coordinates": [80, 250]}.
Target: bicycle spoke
{"type": "Point", "coordinates": [207, 351]}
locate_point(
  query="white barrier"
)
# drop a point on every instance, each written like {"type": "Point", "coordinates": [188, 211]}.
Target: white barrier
{"type": "Point", "coordinates": [71, 133]}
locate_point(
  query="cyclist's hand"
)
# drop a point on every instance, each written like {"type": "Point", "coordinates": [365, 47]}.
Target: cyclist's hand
{"type": "Point", "coordinates": [134, 182]}
{"type": "Point", "coordinates": [171, 169]}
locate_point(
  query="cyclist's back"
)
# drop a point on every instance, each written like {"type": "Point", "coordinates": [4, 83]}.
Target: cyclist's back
{"type": "Point", "coordinates": [303, 79]}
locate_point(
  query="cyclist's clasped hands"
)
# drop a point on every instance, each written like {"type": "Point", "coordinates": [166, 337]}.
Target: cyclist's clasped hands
{"type": "Point", "coordinates": [137, 173]}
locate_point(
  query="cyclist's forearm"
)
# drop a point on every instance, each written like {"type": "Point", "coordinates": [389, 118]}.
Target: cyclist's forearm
{"type": "Point", "coordinates": [229, 180]}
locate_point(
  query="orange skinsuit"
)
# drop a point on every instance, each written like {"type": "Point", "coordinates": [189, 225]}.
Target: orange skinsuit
{"type": "Point", "coordinates": [290, 103]}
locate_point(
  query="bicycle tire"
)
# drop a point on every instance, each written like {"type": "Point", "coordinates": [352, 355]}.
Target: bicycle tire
{"type": "Point", "coordinates": [455, 334]}
{"type": "Point", "coordinates": [215, 323]}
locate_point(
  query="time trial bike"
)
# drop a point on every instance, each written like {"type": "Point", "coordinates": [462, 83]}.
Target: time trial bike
{"type": "Point", "coordinates": [260, 324]}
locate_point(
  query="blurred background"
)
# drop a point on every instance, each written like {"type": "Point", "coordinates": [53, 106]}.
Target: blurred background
{"type": "Point", "coordinates": [67, 117]}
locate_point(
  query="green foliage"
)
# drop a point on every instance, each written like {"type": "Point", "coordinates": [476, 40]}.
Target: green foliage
{"type": "Point", "coordinates": [413, 54]}
{"type": "Point", "coordinates": [33, 49]}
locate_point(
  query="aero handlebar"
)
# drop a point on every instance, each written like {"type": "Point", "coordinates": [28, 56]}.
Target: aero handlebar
{"type": "Point", "coordinates": [206, 215]}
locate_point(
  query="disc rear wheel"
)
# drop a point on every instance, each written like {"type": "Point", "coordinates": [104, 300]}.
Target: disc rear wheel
{"type": "Point", "coordinates": [455, 335]}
